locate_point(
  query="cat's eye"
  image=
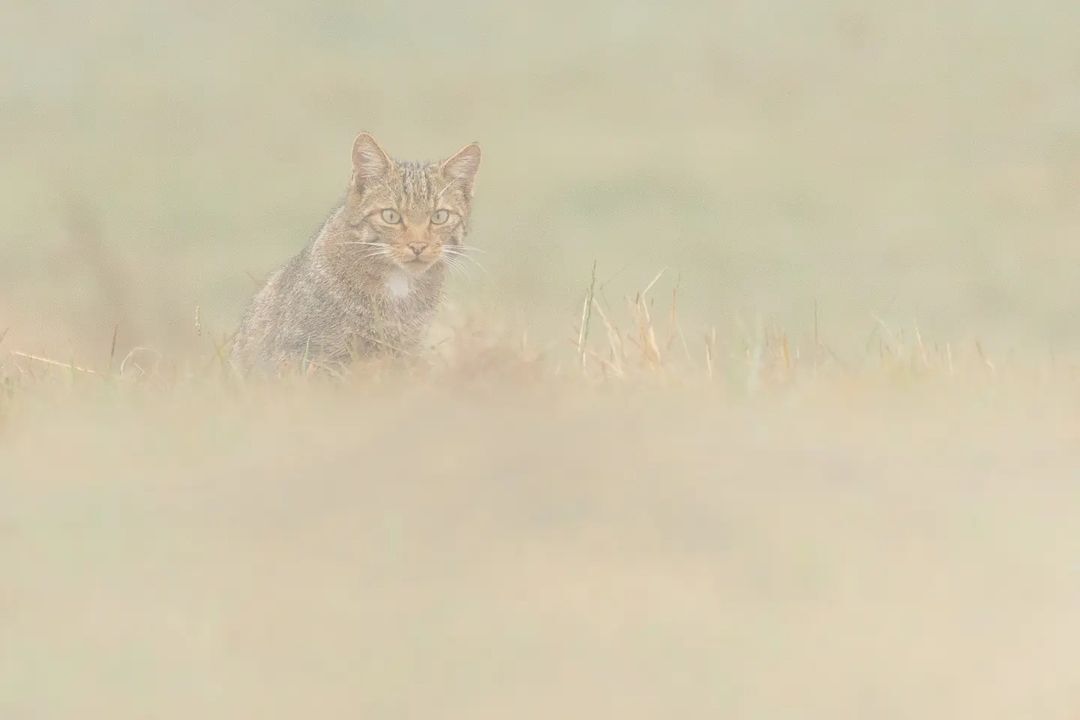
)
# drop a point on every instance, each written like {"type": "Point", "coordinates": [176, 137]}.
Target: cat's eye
{"type": "Point", "coordinates": [391, 217]}
{"type": "Point", "coordinates": [440, 216]}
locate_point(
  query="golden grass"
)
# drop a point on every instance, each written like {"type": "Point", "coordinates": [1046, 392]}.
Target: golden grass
{"type": "Point", "coordinates": [635, 343]}
{"type": "Point", "coordinates": [625, 523]}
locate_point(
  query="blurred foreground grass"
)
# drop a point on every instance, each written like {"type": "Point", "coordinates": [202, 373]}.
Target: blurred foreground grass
{"type": "Point", "coordinates": [498, 532]}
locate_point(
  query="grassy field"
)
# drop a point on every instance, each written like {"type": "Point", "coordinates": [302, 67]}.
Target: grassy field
{"type": "Point", "coordinates": [813, 454]}
{"type": "Point", "coordinates": [516, 543]}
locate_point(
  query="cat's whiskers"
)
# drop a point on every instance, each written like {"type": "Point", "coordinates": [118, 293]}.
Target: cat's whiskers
{"type": "Point", "coordinates": [374, 255]}
{"type": "Point", "coordinates": [381, 249]}
{"type": "Point", "coordinates": [462, 256]}
{"type": "Point", "coordinates": [456, 266]}
{"type": "Point", "coordinates": [461, 262]}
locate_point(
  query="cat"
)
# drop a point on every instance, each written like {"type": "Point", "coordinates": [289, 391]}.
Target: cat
{"type": "Point", "coordinates": [370, 281]}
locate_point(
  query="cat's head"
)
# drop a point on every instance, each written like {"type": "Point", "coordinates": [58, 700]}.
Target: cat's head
{"type": "Point", "coordinates": [412, 215]}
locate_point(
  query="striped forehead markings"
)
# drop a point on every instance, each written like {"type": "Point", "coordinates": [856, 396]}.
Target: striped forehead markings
{"type": "Point", "coordinates": [415, 184]}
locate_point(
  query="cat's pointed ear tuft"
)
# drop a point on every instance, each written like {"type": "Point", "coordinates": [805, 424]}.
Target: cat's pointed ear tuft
{"type": "Point", "coordinates": [369, 160]}
{"type": "Point", "coordinates": [462, 166]}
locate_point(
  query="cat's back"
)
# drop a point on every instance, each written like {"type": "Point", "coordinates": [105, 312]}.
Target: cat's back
{"type": "Point", "coordinates": [267, 322]}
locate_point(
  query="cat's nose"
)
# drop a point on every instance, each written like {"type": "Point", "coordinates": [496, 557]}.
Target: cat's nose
{"type": "Point", "coordinates": [418, 248]}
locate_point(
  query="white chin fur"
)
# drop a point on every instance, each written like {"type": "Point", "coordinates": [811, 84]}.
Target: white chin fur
{"type": "Point", "coordinates": [398, 284]}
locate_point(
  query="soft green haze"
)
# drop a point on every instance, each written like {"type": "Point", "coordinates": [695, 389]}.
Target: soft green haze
{"type": "Point", "coordinates": [857, 499]}
{"type": "Point", "coordinates": [917, 162]}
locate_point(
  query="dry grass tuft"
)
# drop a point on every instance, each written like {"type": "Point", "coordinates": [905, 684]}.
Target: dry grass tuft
{"type": "Point", "coordinates": [642, 344]}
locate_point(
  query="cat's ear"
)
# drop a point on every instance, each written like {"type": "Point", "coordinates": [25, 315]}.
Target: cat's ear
{"type": "Point", "coordinates": [462, 166]}
{"type": "Point", "coordinates": [369, 160]}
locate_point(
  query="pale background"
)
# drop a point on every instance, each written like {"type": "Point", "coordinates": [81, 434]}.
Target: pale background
{"type": "Point", "coordinates": [869, 510]}
{"type": "Point", "coordinates": [918, 162]}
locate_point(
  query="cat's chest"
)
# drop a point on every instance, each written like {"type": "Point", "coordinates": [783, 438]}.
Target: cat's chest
{"type": "Point", "coordinates": [398, 285]}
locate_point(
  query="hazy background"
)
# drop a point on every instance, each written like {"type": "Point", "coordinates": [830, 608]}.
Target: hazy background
{"type": "Point", "coordinates": [915, 161]}
{"type": "Point", "coordinates": [884, 528]}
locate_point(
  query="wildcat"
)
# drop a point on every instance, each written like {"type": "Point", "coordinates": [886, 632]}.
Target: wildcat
{"type": "Point", "coordinates": [370, 281]}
